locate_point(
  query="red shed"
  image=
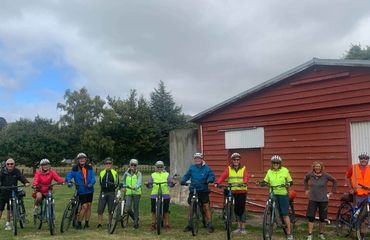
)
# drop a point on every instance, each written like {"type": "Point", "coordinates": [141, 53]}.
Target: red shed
{"type": "Point", "coordinates": [319, 110]}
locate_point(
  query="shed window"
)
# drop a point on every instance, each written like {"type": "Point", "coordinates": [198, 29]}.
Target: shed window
{"type": "Point", "coordinates": [246, 138]}
{"type": "Point", "coordinates": [360, 139]}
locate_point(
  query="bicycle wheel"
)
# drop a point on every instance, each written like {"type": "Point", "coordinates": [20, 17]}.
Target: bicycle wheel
{"type": "Point", "coordinates": [363, 224]}
{"type": "Point", "coordinates": [158, 215]}
{"type": "Point", "coordinates": [343, 222]}
{"type": "Point", "coordinates": [125, 215]}
{"type": "Point", "coordinates": [228, 220]}
{"type": "Point", "coordinates": [50, 217]}
{"type": "Point", "coordinates": [22, 214]}
{"type": "Point", "coordinates": [116, 216]}
{"type": "Point", "coordinates": [268, 223]}
{"type": "Point", "coordinates": [14, 216]}
{"type": "Point", "coordinates": [194, 217]}
{"type": "Point", "coordinates": [67, 216]}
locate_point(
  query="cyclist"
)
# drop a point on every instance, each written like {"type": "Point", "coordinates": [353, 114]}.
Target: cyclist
{"type": "Point", "coordinates": [237, 174]}
{"type": "Point", "coordinates": [108, 179]}
{"type": "Point", "coordinates": [160, 175]}
{"type": "Point", "coordinates": [9, 176]}
{"type": "Point", "coordinates": [315, 184]}
{"type": "Point", "coordinates": [359, 174]}
{"type": "Point", "coordinates": [278, 175]}
{"type": "Point", "coordinates": [84, 177]}
{"type": "Point", "coordinates": [43, 177]}
{"type": "Point", "coordinates": [132, 178]}
{"type": "Point", "coordinates": [201, 175]}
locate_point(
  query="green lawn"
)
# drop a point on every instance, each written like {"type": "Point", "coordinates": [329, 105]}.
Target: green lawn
{"type": "Point", "coordinates": [178, 221]}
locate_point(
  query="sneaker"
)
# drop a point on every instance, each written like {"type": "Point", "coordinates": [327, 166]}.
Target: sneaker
{"type": "Point", "coordinates": [236, 231]}
{"type": "Point", "coordinates": [309, 237]}
{"type": "Point", "coordinates": [289, 237]}
{"type": "Point", "coordinates": [210, 228]}
{"type": "Point", "coordinates": [8, 226]}
{"type": "Point", "coordinates": [99, 226]}
{"type": "Point", "coordinates": [187, 229]}
{"type": "Point", "coordinates": [242, 231]}
{"type": "Point", "coordinates": [322, 236]}
{"type": "Point", "coordinates": [136, 225]}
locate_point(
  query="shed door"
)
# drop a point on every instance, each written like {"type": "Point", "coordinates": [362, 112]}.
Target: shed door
{"type": "Point", "coordinates": [360, 139]}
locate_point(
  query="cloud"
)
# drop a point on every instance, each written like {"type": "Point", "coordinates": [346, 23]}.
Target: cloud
{"type": "Point", "coordinates": [205, 51]}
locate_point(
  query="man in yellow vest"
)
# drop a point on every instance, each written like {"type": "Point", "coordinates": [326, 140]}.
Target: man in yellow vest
{"type": "Point", "coordinates": [160, 175]}
{"type": "Point", "coordinates": [237, 174]}
{"type": "Point", "coordinates": [108, 179]}
{"type": "Point", "coordinates": [359, 174]}
{"type": "Point", "coordinates": [131, 183]}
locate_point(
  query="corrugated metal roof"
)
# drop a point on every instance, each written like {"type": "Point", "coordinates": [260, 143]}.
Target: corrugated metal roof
{"type": "Point", "coordinates": [300, 68]}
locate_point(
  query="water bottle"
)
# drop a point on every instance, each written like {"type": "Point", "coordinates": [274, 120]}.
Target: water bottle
{"type": "Point", "coordinates": [357, 213]}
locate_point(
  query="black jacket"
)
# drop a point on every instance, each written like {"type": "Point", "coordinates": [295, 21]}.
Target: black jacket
{"type": "Point", "coordinates": [11, 179]}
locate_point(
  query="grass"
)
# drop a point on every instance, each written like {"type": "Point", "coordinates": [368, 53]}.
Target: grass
{"type": "Point", "coordinates": [178, 221]}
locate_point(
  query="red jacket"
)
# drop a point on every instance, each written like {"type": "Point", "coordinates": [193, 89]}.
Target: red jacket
{"type": "Point", "coordinates": [44, 179]}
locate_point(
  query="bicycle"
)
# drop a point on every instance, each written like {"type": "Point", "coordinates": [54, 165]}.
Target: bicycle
{"type": "Point", "coordinates": [17, 209]}
{"type": "Point", "coordinates": [47, 211]}
{"type": "Point", "coordinates": [119, 211]}
{"type": "Point", "coordinates": [71, 211]}
{"type": "Point", "coordinates": [350, 216]}
{"type": "Point", "coordinates": [196, 211]}
{"type": "Point", "coordinates": [229, 205]}
{"type": "Point", "coordinates": [272, 217]}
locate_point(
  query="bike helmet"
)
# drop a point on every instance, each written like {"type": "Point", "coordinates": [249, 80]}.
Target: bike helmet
{"type": "Point", "coordinates": [276, 158]}
{"type": "Point", "coordinates": [44, 161]}
{"type": "Point", "coordinates": [81, 155]}
{"type": "Point", "coordinates": [134, 161]}
{"type": "Point", "coordinates": [235, 156]}
{"type": "Point", "coordinates": [363, 155]}
{"type": "Point", "coordinates": [159, 163]}
{"type": "Point", "coordinates": [198, 155]}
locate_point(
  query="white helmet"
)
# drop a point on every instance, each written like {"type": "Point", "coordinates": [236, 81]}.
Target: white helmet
{"type": "Point", "coordinates": [235, 156]}
{"type": "Point", "coordinates": [276, 158]}
{"type": "Point", "coordinates": [44, 161]}
{"type": "Point", "coordinates": [198, 155]}
{"type": "Point", "coordinates": [159, 163]}
{"type": "Point", "coordinates": [134, 161]}
{"type": "Point", "coordinates": [81, 155]}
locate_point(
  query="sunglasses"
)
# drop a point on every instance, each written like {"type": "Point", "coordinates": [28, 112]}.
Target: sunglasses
{"type": "Point", "coordinates": [237, 159]}
{"type": "Point", "coordinates": [276, 163]}
{"type": "Point", "coordinates": [159, 166]}
{"type": "Point", "coordinates": [108, 163]}
{"type": "Point", "coordinates": [10, 164]}
{"type": "Point", "coordinates": [133, 165]}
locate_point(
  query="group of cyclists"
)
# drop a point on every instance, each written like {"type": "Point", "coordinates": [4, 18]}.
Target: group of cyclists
{"type": "Point", "coordinates": [201, 177]}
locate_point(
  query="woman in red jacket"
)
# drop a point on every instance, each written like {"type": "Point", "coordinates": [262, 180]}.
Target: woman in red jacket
{"type": "Point", "coordinates": [43, 178]}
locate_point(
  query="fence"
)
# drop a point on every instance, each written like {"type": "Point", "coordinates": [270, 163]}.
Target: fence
{"type": "Point", "coordinates": [145, 169]}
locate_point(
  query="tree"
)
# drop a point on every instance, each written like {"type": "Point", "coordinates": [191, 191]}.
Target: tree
{"type": "Point", "coordinates": [3, 123]}
{"type": "Point", "coordinates": [165, 117]}
{"type": "Point", "coordinates": [357, 52]}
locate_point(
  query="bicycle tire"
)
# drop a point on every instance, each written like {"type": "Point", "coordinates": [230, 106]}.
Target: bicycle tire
{"type": "Point", "coordinates": [343, 221]}
{"type": "Point", "coordinates": [116, 216]}
{"type": "Point", "coordinates": [363, 219]}
{"type": "Point", "coordinates": [158, 215]}
{"type": "Point", "coordinates": [50, 217]}
{"type": "Point", "coordinates": [15, 217]}
{"type": "Point", "coordinates": [228, 220]}
{"type": "Point", "coordinates": [22, 214]}
{"type": "Point", "coordinates": [67, 216]}
{"type": "Point", "coordinates": [267, 224]}
{"type": "Point", "coordinates": [194, 217]}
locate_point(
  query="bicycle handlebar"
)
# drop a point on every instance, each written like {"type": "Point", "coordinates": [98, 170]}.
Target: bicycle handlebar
{"type": "Point", "coordinates": [230, 185]}
{"type": "Point", "coordinates": [49, 185]}
{"type": "Point", "coordinates": [364, 187]}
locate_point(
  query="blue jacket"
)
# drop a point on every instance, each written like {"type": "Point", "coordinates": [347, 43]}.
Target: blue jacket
{"type": "Point", "coordinates": [200, 177]}
{"type": "Point", "coordinates": [76, 174]}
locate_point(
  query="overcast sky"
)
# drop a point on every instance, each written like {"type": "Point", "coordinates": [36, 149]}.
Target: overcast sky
{"type": "Point", "coordinates": [204, 51]}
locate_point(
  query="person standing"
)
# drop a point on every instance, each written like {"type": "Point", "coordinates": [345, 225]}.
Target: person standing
{"type": "Point", "coordinates": [315, 184]}
{"type": "Point", "coordinates": [108, 179]}
{"type": "Point", "coordinates": [9, 176]}
{"type": "Point", "coordinates": [131, 183]}
{"type": "Point", "coordinates": [237, 174]}
{"type": "Point", "coordinates": [200, 175]}
{"type": "Point", "coordinates": [84, 177]}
